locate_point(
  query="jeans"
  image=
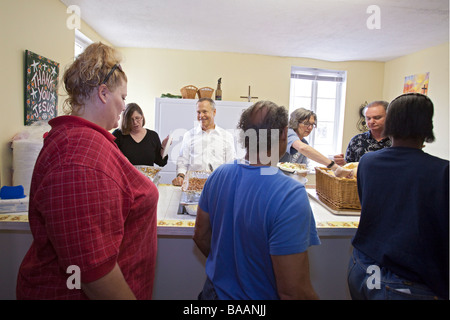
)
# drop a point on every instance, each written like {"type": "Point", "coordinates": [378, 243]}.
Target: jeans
{"type": "Point", "coordinates": [364, 282]}
{"type": "Point", "coordinates": [208, 292]}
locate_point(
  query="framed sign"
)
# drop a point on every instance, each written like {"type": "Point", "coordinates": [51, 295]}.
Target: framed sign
{"type": "Point", "coordinates": [41, 88]}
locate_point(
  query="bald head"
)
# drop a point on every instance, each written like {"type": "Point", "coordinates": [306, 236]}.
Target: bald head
{"type": "Point", "coordinates": [262, 125]}
{"type": "Point", "coordinates": [263, 115]}
{"type": "Point", "coordinates": [258, 115]}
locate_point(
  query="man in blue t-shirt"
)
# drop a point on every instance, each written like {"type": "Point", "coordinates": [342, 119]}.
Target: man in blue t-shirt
{"type": "Point", "coordinates": [254, 224]}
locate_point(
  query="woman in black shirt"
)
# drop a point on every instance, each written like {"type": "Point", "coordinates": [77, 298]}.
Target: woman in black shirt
{"type": "Point", "coordinates": [140, 145]}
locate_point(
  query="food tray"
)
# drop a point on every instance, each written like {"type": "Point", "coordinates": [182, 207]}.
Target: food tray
{"type": "Point", "coordinates": [191, 209]}
{"type": "Point", "coordinates": [337, 193]}
{"type": "Point", "coordinates": [192, 187]}
{"type": "Point", "coordinates": [150, 172]}
{"type": "Point", "coordinates": [294, 168]}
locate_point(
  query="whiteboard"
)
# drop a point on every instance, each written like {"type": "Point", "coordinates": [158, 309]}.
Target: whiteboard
{"type": "Point", "coordinates": [177, 116]}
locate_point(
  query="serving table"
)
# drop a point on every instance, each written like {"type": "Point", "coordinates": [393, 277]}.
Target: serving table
{"type": "Point", "coordinates": [329, 222]}
{"type": "Point", "coordinates": [180, 268]}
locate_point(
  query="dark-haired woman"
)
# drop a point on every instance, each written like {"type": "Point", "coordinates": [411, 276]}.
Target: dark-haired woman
{"type": "Point", "coordinates": [401, 247]}
{"type": "Point", "coordinates": [140, 145]}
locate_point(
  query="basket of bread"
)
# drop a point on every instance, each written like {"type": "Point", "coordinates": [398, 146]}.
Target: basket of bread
{"type": "Point", "coordinates": [338, 193]}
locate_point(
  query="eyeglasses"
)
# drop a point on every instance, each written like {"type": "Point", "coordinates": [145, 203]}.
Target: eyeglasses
{"type": "Point", "coordinates": [308, 124]}
{"type": "Point", "coordinates": [116, 66]}
{"type": "Point", "coordinates": [137, 119]}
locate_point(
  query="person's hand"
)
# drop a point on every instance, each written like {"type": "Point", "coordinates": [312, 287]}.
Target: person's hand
{"type": "Point", "coordinates": [164, 142]}
{"type": "Point", "coordinates": [178, 181]}
{"type": "Point", "coordinates": [343, 173]}
{"type": "Point", "coordinates": [339, 159]}
{"type": "Point", "coordinates": [164, 145]}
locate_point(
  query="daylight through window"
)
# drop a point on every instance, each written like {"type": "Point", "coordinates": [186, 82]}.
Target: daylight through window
{"type": "Point", "coordinates": [322, 91]}
{"type": "Point", "coordinates": [81, 42]}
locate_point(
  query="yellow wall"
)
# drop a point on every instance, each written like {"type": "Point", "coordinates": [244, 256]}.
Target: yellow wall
{"type": "Point", "coordinates": [152, 72]}
{"type": "Point", "coordinates": [38, 26]}
{"type": "Point", "coordinates": [436, 61]}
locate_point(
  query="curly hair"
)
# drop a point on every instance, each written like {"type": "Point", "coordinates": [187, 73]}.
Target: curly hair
{"type": "Point", "coordinates": [263, 116]}
{"type": "Point", "coordinates": [88, 72]}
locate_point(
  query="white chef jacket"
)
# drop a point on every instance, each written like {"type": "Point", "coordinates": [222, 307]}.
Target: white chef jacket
{"type": "Point", "coordinates": [201, 148]}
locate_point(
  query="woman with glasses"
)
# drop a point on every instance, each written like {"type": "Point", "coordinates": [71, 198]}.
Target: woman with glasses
{"type": "Point", "coordinates": [301, 123]}
{"type": "Point", "coordinates": [140, 145]}
{"type": "Point", "coordinates": [92, 214]}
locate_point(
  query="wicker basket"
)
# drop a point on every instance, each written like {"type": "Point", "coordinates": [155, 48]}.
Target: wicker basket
{"type": "Point", "coordinates": [188, 92]}
{"type": "Point", "coordinates": [205, 92]}
{"type": "Point", "coordinates": [337, 193]}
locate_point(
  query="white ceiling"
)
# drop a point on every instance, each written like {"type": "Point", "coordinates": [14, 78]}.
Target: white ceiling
{"type": "Point", "coordinates": [333, 30]}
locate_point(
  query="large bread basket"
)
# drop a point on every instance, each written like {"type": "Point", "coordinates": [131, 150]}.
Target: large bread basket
{"type": "Point", "coordinates": [337, 193]}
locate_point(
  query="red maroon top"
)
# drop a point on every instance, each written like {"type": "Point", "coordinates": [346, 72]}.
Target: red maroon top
{"type": "Point", "coordinates": [89, 207]}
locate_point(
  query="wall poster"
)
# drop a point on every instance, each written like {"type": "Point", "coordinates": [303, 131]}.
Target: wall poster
{"type": "Point", "coordinates": [41, 88]}
{"type": "Point", "coordinates": [417, 83]}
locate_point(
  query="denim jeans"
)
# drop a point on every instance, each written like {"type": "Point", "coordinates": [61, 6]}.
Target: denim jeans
{"type": "Point", "coordinates": [364, 283]}
{"type": "Point", "coordinates": [208, 292]}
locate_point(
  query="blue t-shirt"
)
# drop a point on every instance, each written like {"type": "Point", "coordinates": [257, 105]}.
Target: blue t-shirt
{"type": "Point", "coordinates": [292, 155]}
{"type": "Point", "coordinates": [255, 212]}
{"type": "Point", "coordinates": [404, 223]}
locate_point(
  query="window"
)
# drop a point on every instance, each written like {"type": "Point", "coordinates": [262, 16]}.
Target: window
{"type": "Point", "coordinates": [81, 42]}
{"type": "Point", "coordinates": [322, 91]}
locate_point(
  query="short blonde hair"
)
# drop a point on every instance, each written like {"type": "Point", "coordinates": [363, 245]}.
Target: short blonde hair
{"type": "Point", "coordinates": [88, 72]}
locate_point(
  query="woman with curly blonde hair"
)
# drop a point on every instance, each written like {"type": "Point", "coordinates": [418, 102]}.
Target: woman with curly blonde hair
{"type": "Point", "coordinates": [92, 214]}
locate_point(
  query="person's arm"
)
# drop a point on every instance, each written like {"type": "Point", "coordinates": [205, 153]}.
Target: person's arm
{"type": "Point", "coordinates": [339, 159]}
{"type": "Point", "coordinates": [350, 153]}
{"type": "Point", "coordinates": [112, 286]}
{"type": "Point", "coordinates": [202, 233]}
{"type": "Point", "coordinates": [118, 134]}
{"type": "Point", "coordinates": [179, 179]}
{"type": "Point", "coordinates": [292, 277]}
{"type": "Point", "coordinates": [91, 242]}
{"type": "Point", "coordinates": [312, 154]}
{"type": "Point", "coordinates": [315, 155]}
{"type": "Point", "coordinates": [183, 160]}
{"type": "Point", "coordinates": [164, 145]}
{"type": "Point", "coordinates": [230, 150]}
{"type": "Point", "coordinates": [158, 148]}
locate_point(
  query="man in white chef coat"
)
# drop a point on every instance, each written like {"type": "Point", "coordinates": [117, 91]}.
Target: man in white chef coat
{"type": "Point", "coordinates": [206, 145]}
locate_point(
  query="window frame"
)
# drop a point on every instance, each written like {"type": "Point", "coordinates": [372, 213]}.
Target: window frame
{"type": "Point", "coordinates": [316, 75]}
{"type": "Point", "coordinates": [81, 40]}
